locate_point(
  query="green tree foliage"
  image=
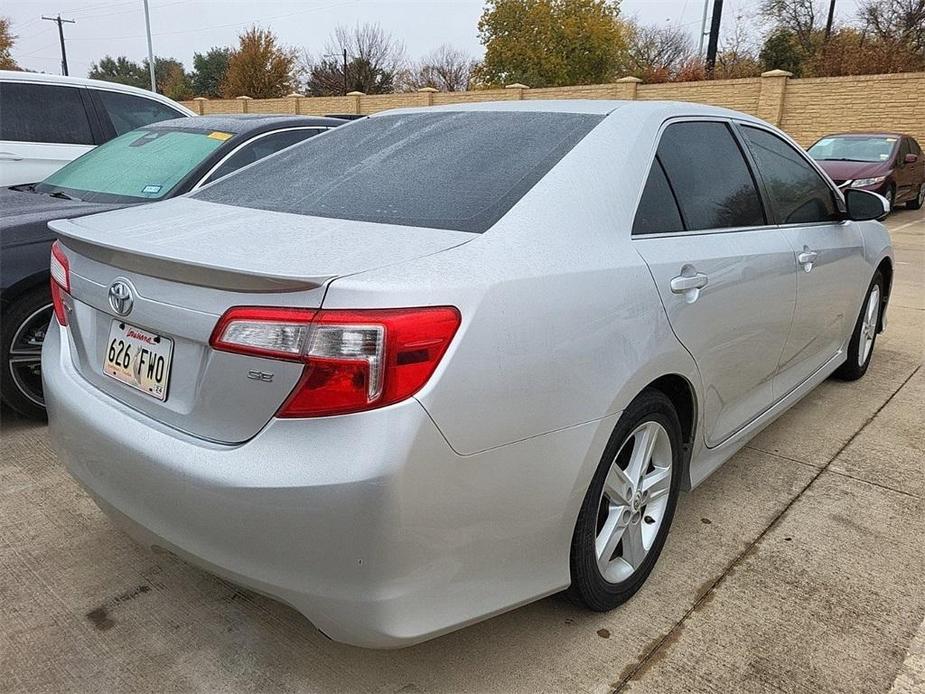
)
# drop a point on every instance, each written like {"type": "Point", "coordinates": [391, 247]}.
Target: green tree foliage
{"type": "Point", "coordinates": [259, 68]}
{"type": "Point", "coordinates": [546, 43]}
{"type": "Point", "coordinates": [7, 39]}
{"type": "Point", "coordinates": [209, 72]}
{"type": "Point", "coordinates": [781, 51]}
{"type": "Point", "coordinates": [374, 62]}
{"type": "Point", "coordinates": [120, 70]}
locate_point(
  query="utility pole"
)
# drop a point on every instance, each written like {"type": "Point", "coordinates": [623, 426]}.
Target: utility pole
{"type": "Point", "coordinates": [61, 22]}
{"type": "Point", "coordinates": [714, 36]}
{"type": "Point", "coordinates": [150, 48]}
{"type": "Point", "coordinates": [703, 28]}
{"type": "Point", "coordinates": [345, 72]}
{"type": "Point", "coordinates": [828, 22]}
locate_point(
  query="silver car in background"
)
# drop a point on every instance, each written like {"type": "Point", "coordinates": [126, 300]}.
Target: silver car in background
{"type": "Point", "coordinates": [439, 363]}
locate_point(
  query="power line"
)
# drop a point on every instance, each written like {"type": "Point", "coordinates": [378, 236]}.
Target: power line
{"type": "Point", "coordinates": [61, 22]}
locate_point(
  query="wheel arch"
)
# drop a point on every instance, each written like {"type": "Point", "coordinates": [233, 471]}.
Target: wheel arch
{"type": "Point", "coordinates": [683, 397]}
{"type": "Point", "coordinates": [885, 268]}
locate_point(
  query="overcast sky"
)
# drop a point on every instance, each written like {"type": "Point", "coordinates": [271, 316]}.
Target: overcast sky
{"type": "Point", "coordinates": [182, 27]}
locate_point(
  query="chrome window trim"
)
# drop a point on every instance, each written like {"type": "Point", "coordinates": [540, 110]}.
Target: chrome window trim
{"type": "Point", "coordinates": [218, 164]}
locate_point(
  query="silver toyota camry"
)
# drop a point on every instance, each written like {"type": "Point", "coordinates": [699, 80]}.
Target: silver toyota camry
{"type": "Point", "coordinates": [439, 363]}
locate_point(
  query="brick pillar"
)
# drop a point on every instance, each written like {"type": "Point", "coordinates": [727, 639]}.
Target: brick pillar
{"type": "Point", "coordinates": [771, 98]}
{"type": "Point", "coordinates": [295, 103]}
{"type": "Point", "coordinates": [356, 96]}
{"type": "Point", "coordinates": [521, 88]}
{"type": "Point", "coordinates": [198, 105]}
{"type": "Point", "coordinates": [427, 95]}
{"type": "Point", "coordinates": [627, 88]}
{"type": "Point", "coordinates": [242, 100]}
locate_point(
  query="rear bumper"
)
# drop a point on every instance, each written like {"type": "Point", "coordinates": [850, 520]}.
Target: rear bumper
{"type": "Point", "coordinates": [370, 525]}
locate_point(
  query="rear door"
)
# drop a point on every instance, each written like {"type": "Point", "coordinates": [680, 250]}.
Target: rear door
{"type": "Point", "coordinates": [42, 128]}
{"type": "Point", "coordinates": [829, 255]}
{"type": "Point", "coordinates": [725, 276]}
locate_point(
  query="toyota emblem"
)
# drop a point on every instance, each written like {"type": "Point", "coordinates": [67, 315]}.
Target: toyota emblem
{"type": "Point", "coordinates": [120, 297]}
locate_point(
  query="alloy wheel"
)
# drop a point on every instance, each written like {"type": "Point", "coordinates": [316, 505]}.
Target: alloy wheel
{"type": "Point", "coordinates": [24, 360]}
{"type": "Point", "coordinates": [633, 502]}
{"type": "Point", "coordinates": [869, 325]}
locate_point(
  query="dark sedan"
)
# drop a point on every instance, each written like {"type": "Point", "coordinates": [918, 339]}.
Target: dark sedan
{"type": "Point", "coordinates": [152, 163]}
{"type": "Point", "coordinates": [891, 164]}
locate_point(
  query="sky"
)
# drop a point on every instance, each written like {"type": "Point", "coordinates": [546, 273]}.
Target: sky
{"type": "Point", "coordinates": [183, 27]}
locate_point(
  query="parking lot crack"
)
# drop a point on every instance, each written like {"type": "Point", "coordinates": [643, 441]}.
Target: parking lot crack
{"type": "Point", "coordinates": [653, 653]}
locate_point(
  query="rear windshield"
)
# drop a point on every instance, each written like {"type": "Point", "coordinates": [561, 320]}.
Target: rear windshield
{"type": "Point", "coordinates": [444, 170]}
{"type": "Point", "coordinates": [143, 164]}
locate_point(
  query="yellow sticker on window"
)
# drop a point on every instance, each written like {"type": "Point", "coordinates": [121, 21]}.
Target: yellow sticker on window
{"type": "Point", "coordinates": [217, 135]}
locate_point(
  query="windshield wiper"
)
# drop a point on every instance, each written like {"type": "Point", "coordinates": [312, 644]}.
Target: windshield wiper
{"type": "Point", "coordinates": [63, 196]}
{"type": "Point", "coordinates": [841, 159]}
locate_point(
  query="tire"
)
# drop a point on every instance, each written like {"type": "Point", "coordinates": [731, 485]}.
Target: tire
{"type": "Point", "coordinates": [25, 322]}
{"type": "Point", "coordinates": [602, 585]}
{"type": "Point", "coordinates": [917, 202]}
{"type": "Point", "coordinates": [864, 337]}
{"type": "Point", "coordinates": [890, 195]}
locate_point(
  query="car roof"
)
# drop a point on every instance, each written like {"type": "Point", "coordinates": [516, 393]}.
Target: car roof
{"type": "Point", "coordinates": [42, 78]}
{"type": "Point", "coordinates": [601, 107]}
{"type": "Point", "coordinates": [242, 123]}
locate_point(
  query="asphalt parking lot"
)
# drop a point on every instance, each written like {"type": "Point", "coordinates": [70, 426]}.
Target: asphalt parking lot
{"type": "Point", "coordinates": [797, 567]}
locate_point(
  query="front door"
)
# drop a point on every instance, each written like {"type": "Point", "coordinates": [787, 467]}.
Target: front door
{"type": "Point", "coordinates": [725, 277]}
{"type": "Point", "coordinates": [828, 255]}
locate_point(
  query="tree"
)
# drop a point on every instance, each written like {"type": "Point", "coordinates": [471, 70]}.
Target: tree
{"type": "Point", "coordinates": [259, 67]}
{"type": "Point", "coordinates": [170, 77]}
{"type": "Point", "coordinates": [798, 17]}
{"type": "Point", "coordinates": [447, 69]}
{"type": "Point", "coordinates": [209, 71]}
{"type": "Point", "coordinates": [120, 70]}
{"type": "Point", "coordinates": [657, 53]}
{"type": "Point", "coordinates": [545, 43]}
{"type": "Point", "coordinates": [375, 60]}
{"type": "Point", "coordinates": [781, 52]}
{"type": "Point", "coordinates": [737, 57]}
{"type": "Point", "coordinates": [897, 23]}
{"type": "Point", "coordinates": [7, 39]}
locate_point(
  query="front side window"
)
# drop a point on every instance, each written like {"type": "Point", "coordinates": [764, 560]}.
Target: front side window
{"type": "Point", "coordinates": [262, 146]}
{"type": "Point", "coordinates": [797, 191]}
{"type": "Point", "coordinates": [43, 113]}
{"type": "Point", "coordinates": [460, 170]}
{"type": "Point", "coordinates": [871, 148]}
{"type": "Point", "coordinates": [141, 165]}
{"type": "Point", "coordinates": [127, 111]}
{"type": "Point", "coordinates": [709, 176]}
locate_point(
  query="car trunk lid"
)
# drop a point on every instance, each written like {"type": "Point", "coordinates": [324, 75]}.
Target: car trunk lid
{"type": "Point", "coordinates": [185, 263]}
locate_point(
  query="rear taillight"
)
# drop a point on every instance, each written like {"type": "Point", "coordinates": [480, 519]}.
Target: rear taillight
{"type": "Point", "coordinates": [354, 359]}
{"type": "Point", "coordinates": [60, 281]}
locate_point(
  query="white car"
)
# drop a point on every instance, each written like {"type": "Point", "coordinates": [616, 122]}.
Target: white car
{"type": "Point", "coordinates": [437, 363]}
{"type": "Point", "coordinates": [47, 120]}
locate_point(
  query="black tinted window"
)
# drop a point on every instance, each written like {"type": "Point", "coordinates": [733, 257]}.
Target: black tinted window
{"type": "Point", "coordinates": [446, 170]}
{"type": "Point", "coordinates": [262, 147]}
{"type": "Point", "coordinates": [43, 113]}
{"type": "Point", "coordinates": [128, 112]}
{"type": "Point", "coordinates": [658, 211]}
{"type": "Point", "coordinates": [709, 176]}
{"type": "Point", "coordinates": [797, 191]}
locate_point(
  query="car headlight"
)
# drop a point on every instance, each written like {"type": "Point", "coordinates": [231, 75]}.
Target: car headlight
{"type": "Point", "coordinates": [864, 182]}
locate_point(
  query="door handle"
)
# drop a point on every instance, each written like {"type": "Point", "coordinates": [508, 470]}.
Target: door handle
{"type": "Point", "coordinates": [685, 283]}
{"type": "Point", "coordinates": [9, 156]}
{"type": "Point", "coordinates": [807, 258]}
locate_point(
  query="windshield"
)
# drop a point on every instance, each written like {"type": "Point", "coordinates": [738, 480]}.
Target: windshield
{"type": "Point", "coordinates": [854, 148]}
{"type": "Point", "coordinates": [144, 164]}
{"type": "Point", "coordinates": [457, 170]}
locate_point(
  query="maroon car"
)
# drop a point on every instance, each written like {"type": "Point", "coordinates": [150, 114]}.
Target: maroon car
{"type": "Point", "coordinates": [891, 164]}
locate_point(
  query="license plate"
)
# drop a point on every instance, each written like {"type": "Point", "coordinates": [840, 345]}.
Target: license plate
{"type": "Point", "coordinates": [138, 358]}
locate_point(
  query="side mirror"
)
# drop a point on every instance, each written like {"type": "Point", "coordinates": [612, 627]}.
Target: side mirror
{"type": "Point", "coordinates": [863, 205]}
{"type": "Point", "coordinates": [911, 158]}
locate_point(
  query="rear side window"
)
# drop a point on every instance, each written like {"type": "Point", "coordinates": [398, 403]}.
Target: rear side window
{"type": "Point", "coordinates": [658, 211]}
{"type": "Point", "coordinates": [261, 147]}
{"type": "Point", "coordinates": [798, 193]}
{"type": "Point", "coordinates": [459, 170]}
{"type": "Point", "coordinates": [43, 113]}
{"type": "Point", "coordinates": [709, 176]}
{"type": "Point", "coordinates": [127, 111]}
